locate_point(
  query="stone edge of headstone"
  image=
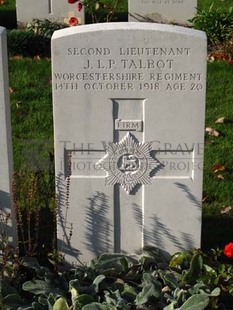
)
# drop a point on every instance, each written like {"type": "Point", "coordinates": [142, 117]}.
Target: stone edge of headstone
{"type": "Point", "coordinates": [129, 26]}
{"type": "Point", "coordinates": [6, 96]}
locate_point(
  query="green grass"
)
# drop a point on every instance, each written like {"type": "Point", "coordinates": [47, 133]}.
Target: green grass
{"type": "Point", "coordinates": [222, 4]}
{"type": "Point", "coordinates": [218, 150]}
{"type": "Point", "coordinates": [31, 107]}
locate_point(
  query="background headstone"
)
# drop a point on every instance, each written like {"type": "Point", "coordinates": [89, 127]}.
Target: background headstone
{"type": "Point", "coordinates": [6, 161]}
{"type": "Point", "coordinates": [129, 110]}
{"type": "Point", "coordinates": [165, 11]}
{"type": "Point", "coordinates": [54, 10]}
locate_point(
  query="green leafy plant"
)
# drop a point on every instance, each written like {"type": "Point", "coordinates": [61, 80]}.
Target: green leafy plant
{"type": "Point", "coordinates": [45, 27]}
{"type": "Point", "coordinates": [27, 44]}
{"type": "Point", "coordinates": [8, 254]}
{"type": "Point", "coordinates": [223, 51]}
{"type": "Point", "coordinates": [33, 194]}
{"type": "Point", "coordinates": [34, 40]}
{"type": "Point", "coordinates": [189, 280]}
{"type": "Point", "coordinates": [217, 24]}
{"type": "Point", "coordinates": [102, 9]}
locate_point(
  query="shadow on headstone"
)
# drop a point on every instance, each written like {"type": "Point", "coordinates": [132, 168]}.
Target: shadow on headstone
{"type": "Point", "coordinates": [98, 227]}
{"type": "Point", "coordinates": [160, 231]}
{"type": "Point", "coordinates": [141, 18]}
{"type": "Point", "coordinates": [193, 199]}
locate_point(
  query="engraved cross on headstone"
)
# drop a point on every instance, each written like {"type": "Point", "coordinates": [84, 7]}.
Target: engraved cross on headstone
{"type": "Point", "coordinates": [128, 159]}
{"type": "Point", "coordinates": [50, 6]}
{"type": "Point", "coordinates": [129, 110]}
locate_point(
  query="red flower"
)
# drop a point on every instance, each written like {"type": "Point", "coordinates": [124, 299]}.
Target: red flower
{"type": "Point", "coordinates": [228, 250]}
{"type": "Point", "coordinates": [79, 6]}
{"type": "Point", "coordinates": [73, 21]}
{"type": "Point", "coordinates": [230, 61]}
{"type": "Point", "coordinates": [72, 1]}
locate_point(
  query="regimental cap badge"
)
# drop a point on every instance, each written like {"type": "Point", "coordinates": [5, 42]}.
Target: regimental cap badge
{"type": "Point", "coordinates": [128, 162]}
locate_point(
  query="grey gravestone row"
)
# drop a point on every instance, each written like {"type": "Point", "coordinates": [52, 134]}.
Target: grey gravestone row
{"type": "Point", "coordinates": [165, 11]}
{"type": "Point", "coordinates": [54, 10]}
{"type": "Point", "coordinates": [162, 11]}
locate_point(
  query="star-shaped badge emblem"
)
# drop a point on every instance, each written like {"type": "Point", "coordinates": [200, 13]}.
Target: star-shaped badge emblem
{"type": "Point", "coordinates": [128, 162]}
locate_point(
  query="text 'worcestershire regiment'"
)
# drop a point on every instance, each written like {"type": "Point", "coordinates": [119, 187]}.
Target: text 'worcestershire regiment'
{"type": "Point", "coordinates": [128, 69]}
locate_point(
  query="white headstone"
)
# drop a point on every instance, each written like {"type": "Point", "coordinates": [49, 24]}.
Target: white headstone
{"type": "Point", "coordinates": [54, 10]}
{"type": "Point", "coordinates": [129, 110]}
{"type": "Point", "coordinates": [162, 11]}
{"type": "Point", "coordinates": [6, 162]}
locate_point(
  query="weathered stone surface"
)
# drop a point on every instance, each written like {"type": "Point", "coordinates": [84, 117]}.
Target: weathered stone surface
{"type": "Point", "coordinates": [129, 110]}
{"type": "Point", "coordinates": [165, 11]}
{"type": "Point", "coordinates": [54, 10]}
